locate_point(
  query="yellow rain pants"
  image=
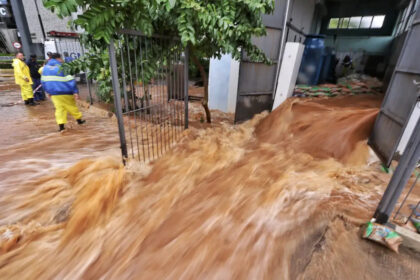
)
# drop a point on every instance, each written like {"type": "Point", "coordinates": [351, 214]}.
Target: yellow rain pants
{"type": "Point", "coordinates": [26, 92]}
{"type": "Point", "coordinates": [65, 104]}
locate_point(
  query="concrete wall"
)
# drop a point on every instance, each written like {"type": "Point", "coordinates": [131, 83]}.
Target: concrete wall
{"type": "Point", "coordinates": [50, 21]}
{"type": "Point", "coordinates": [301, 14]}
{"type": "Point", "coordinates": [372, 45]}
{"type": "Point", "coordinates": [224, 73]}
{"type": "Point", "coordinates": [223, 83]}
{"type": "Point", "coordinates": [9, 36]}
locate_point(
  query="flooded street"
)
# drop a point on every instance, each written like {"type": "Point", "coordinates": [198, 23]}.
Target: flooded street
{"type": "Point", "coordinates": [30, 145]}
{"type": "Point", "coordinates": [279, 197]}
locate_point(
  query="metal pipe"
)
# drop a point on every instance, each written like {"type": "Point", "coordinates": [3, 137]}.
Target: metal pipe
{"type": "Point", "coordinates": [186, 60]}
{"type": "Point", "coordinates": [405, 198]}
{"type": "Point", "coordinates": [117, 100]}
{"type": "Point", "coordinates": [282, 45]}
{"type": "Point", "coordinates": [400, 177]}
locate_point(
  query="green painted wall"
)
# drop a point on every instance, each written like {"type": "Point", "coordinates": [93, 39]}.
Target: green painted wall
{"type": "Point", "coordinates": [373, 45]}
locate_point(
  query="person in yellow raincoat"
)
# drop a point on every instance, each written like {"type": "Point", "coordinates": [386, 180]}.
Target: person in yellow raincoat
{"type": "Point", "coordinates": [62, 89]}
{"type": "Point", "coordinates": [23, 78]}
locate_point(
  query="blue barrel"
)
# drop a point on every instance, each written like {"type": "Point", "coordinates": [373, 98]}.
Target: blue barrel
{"type": "Point", "coordinates": [312, 60]}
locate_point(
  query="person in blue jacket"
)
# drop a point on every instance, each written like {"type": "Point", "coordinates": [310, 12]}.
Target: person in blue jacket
{"type": "Point", "coordinates": [62, 89]}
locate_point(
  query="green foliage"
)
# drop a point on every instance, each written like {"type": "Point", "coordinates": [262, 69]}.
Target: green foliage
{"type": "Point", "coordinates": [193, 72]}
{"type": "Point", "coordinates": [209, 28]}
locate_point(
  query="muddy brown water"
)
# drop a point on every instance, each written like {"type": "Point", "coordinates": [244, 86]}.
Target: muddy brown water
{"type": "Point", "coordinates": [252, 201]}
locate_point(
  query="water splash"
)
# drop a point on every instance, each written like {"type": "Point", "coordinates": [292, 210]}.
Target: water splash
{"type": "Point", "coordinates": [271, 198]}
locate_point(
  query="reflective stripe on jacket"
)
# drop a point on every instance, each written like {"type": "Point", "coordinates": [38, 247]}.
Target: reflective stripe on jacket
{"type": "Point", "coordinates": [55, 82]}
{"type": "Point", "coordinates": [21, 71]}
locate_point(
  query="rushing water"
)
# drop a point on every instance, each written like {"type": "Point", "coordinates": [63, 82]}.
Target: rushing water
{"type": "Point", "coordinates": [279, 197]}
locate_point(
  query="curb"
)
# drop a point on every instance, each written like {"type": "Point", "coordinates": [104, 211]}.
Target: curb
{"type": "Point", "coordinates": [95, 110]}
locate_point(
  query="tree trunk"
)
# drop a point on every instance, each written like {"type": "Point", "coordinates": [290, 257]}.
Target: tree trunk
{"type": "Point", "coordinates": [203, 75]}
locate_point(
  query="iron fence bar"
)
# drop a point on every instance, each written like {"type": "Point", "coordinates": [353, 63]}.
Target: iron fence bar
{"type": "Point", "coordinates": [178, 116]}
{"type": "Point", "coordinates": [149, 111]}
{"type": "Point", "coordinates": [144, 98]}
{"type": "Point", "coordinates": [155, 115]}
{"type": "Point", "coordinates": [133, 93]}
{"type": "Point", "coordinates": [117, 101]}
{"type": "Point", "coordinates": [158, 96]}
{"type": "Point", "coordinates": [172, 97]}
{"type": "Point", "coordinates": [186, 87]}
{"type": "Point", "coordinates": [166, 96]}
{"type": "Point", "coordinates": [162, 95]}
{"type": "Point", "coordinates": [177, 85]}
{"type": "Point", "coordinates": [126, 100]}
{"type": "Point", "coordinates": [152, 114]}
{"type": "Point", "coordinates": [87, 78]}
{"type": "Point", "coordinates": [181, 92]}
{"type": "Point", "coordinates": [140, 119]}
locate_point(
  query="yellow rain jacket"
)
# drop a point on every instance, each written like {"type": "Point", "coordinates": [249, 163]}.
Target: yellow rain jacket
{"type": "Point", "coordinates": [21, 71]}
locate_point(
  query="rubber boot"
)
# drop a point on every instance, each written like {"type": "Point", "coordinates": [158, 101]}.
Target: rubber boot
{"type": "Point", "coordinates": [80, 121]}
{"type": "Point", "coordinates": [61, 127]}
{"type": "Point", "coordinates": [26, 102]}
{"type": "Point", "coordinates": [32, 102]}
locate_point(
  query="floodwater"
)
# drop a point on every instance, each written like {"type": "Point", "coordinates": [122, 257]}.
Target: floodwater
{"type": "Point", "coordinates": [279, 197]}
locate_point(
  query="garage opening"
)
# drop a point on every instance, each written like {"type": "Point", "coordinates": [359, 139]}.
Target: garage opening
{"type": "Point", "coordinates": [352, 47]}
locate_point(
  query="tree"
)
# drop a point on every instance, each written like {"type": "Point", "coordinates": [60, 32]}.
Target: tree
{"type": "Point", "coordinates": [209, 28]}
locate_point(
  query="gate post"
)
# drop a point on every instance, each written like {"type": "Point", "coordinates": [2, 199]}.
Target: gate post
{"type": "Point", "coordinates": [186, 60]}
{"type": "Point", "coordinates": [117, 99]}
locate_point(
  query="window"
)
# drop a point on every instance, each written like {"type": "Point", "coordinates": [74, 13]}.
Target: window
{"type": "Point", "coordinates": [355, 22]}
{"type": "Point", "coordinates": [366, 22]}
{"type": "Point", "coordinates": [344, 23]}
{"type": "Point", "coordinates": [378, 21]}
{"type": "Point", "coordinates": [333, 23]}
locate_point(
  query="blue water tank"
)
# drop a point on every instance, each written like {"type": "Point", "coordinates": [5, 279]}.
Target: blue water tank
{"type": "Point", "coordinates": [312, 60]}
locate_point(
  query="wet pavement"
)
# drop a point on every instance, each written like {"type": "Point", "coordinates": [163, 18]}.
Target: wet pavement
{"type": "Point", "coordinates": [30, 144]}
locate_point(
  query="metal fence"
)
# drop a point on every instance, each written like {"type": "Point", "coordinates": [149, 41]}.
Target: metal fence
{"type": "Point", "coordinates": [150, 84]}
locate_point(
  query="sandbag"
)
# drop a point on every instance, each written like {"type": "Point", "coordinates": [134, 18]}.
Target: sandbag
{"type": "Point", "coordinates": [383, 235]}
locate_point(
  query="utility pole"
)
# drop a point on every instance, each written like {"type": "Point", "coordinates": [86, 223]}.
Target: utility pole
{"type": "Point", "coordinates": [22, 26]}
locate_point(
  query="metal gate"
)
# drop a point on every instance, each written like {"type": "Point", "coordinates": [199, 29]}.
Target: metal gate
{"type": "Point", "coordinates": [400, 99]}
{"type": "Point", "coordinates": [150, 84]}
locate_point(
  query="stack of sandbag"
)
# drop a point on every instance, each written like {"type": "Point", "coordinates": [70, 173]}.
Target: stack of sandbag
{"type": "Point", "coordinates": [351, 85]}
